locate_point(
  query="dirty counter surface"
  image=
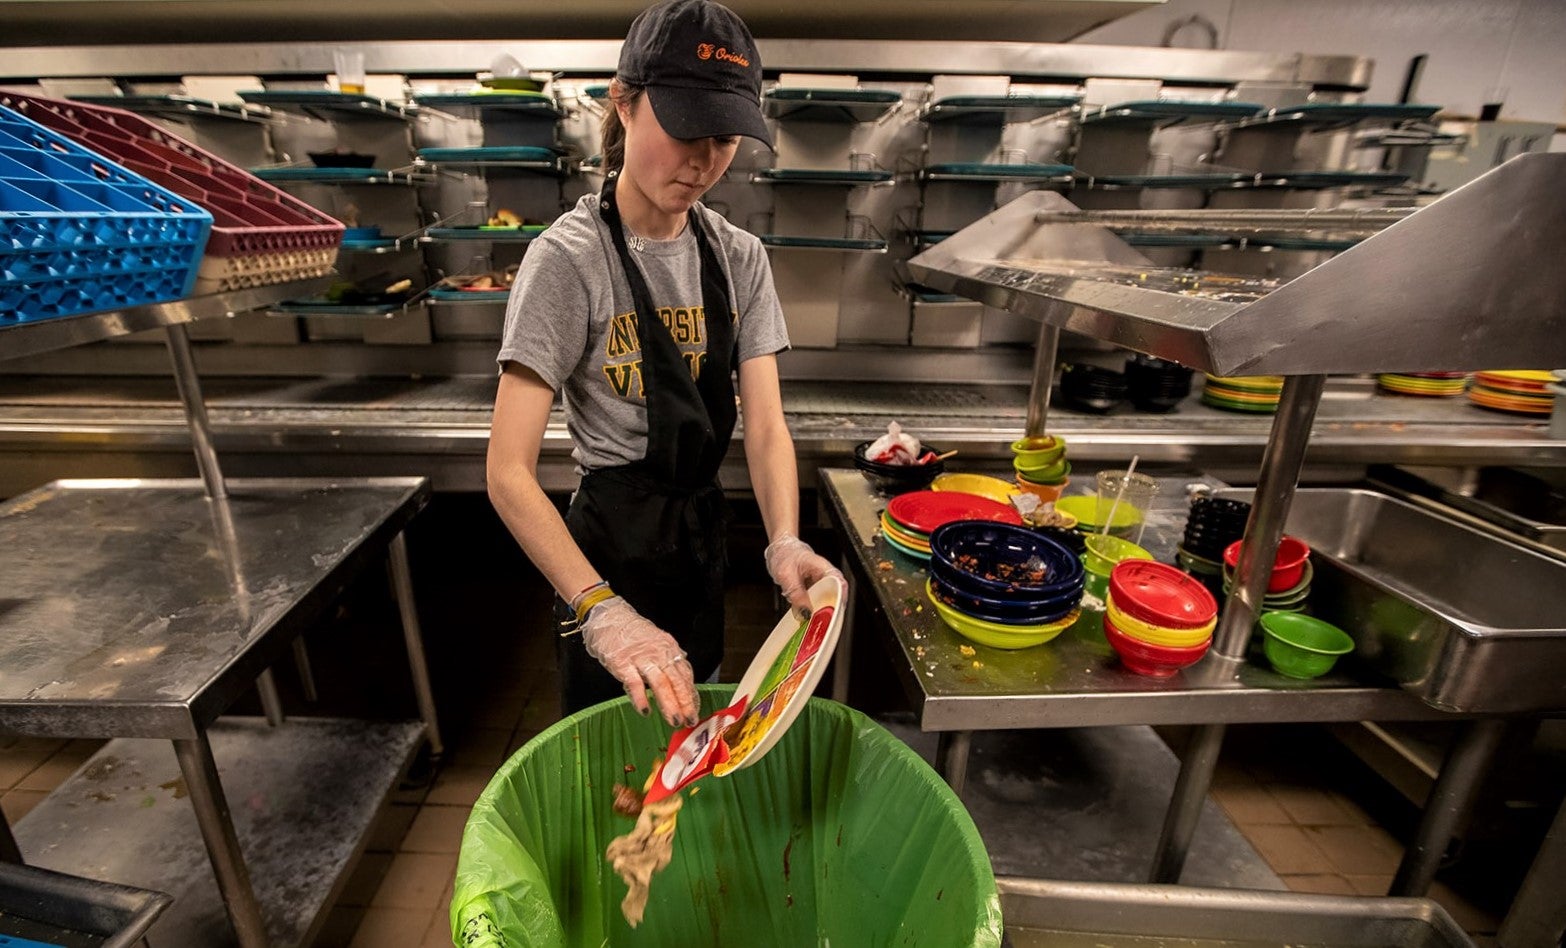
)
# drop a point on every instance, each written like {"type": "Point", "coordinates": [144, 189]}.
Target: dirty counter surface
{"type": "Point", "coordinates": [1075, 680]}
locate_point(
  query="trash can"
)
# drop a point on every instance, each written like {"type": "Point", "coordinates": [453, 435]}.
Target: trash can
{"type": "Point", "coordinates": [840, 836]}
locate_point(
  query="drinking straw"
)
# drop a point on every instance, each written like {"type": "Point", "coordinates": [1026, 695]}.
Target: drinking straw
{"type": "Point", "coordinates": [1124, 483]}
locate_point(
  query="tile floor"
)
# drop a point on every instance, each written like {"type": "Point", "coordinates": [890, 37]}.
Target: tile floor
{"type": "Point", "coordinates": [1283, 787]}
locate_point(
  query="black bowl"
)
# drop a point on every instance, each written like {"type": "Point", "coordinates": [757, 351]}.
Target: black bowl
{"type": "Point", "coordinates": [896, 478]}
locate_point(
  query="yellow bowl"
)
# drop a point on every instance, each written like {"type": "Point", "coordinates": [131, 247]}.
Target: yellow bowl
{"type": "Point", "coordinates": [981, 484]}
{"type": "Point", "coordinates": [994, 634]}
{"type": "Point", "coordinates": [1157, 635]}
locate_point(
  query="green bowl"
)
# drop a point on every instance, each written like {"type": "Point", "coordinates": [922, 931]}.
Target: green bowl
{"type": "Point", "coordinates": [1037, 457]}
{"type": "Point", "coordinates": [1045, 474]}
{"type": "Point", "coordinates": [1085, 508]}
{"type": "Point", "coordinates": [1300, 646]}
{"type": "Point", "coordinates": [1104, 551]}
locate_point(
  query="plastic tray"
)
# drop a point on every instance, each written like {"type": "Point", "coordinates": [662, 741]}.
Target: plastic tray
{"type": "Point", "coordinates": [260, 235]}
{"type": "Point", "coordinates": [39, 904]}
{"type": "Point", "coordinates": [79, 233]}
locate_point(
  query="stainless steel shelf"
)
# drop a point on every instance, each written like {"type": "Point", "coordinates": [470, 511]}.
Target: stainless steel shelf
{"type": "Point", "coordinates": [46, 335]}
{"type": "Point", "coordinates": [304, 796]}
{"type": "Point", "coordinates": [1474, 266]}
{"type": "Point", "coordinates": [1076, 680]}
{"type": "Point", "coordinates": [180, 601]}
{"type": "Point", "coordinates": [183, 108]}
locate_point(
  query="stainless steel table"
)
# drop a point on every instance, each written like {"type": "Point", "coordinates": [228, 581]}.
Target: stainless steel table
{"type": "Point", "coordinates": [1076, 680]}
{"type": "Point", "coordinates": [138, 609]}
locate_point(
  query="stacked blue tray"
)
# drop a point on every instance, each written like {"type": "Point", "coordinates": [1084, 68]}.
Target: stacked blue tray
{"type": "Point", "coordinates": [79, 233]}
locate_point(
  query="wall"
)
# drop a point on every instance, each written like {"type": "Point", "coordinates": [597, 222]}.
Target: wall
{"type": "Point", "coordinates": [1472, 45]}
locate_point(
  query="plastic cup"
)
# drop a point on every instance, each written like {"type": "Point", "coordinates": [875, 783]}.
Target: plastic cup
{"type": "Point", "coordinates": [349, 64]}
{"type": "Point", "coordinates": [1120, 492]}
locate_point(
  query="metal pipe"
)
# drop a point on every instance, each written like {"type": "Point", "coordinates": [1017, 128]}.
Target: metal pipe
{"type": "Point", "coordinates": [1538, 913]}
{"type": "Point", "coordinates": [402, 583]}
{"type": "Point", "coordinates": [842, 656]}
{"type": "Point", "coordinates": [271, 702]}
{"type": "Point", "coordinates": [1448, 805]}
{"type": "Point", "coordinates": [1043, 379]}
{"type": "Point", "coordinates": [306, 674]}
{"type": "Point", "coordinates": [1280, 473]}
{"type": "Point", "coordinates": [217, 829]}
{"type": "Point", "coordinates": [951, 757]}
{"type": "Point", "coordinates": [189, 384]}
{"type": "Point", "coordinates": [1185, 806]}
{"type": "Point", "coordinates": [1363, 220]}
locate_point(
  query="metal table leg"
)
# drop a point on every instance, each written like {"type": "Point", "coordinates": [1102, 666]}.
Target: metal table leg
{"type": "Point", "coordinates": [951, 757]}
{"type": "Point", "coordinates": [1185, 806]}
{"type": "Point", "coordinates": [302, 667]}
{"type": "Point", "coordinates": [845, 641]}
{"type": "Point", "coordinates": [402, 582]}
{"type": "Point", "coordinates": [9, 851]}
{"type": "Point", "coordinates": [1043, 380]}
{"type": "Point", "coordinates": [217, 829]}
{"type": "Point", "coordinates": [1449, 804]}
{"type": "Point", "coordinates": [1538, 913]}
{"type": "Point", "coordinates": [271, 701]}
{"type": "Point", "coordinates": [189, 385]}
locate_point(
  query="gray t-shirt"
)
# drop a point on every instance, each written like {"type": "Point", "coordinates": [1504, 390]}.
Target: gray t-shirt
{"type": "Point", "coordinates": [568, 319]}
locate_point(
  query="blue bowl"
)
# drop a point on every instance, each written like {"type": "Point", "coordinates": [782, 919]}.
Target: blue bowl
{"type": "Point", "coordinates": [989, 555]}
{"type": "Point", "coordinates": [1018, 605]}
{"type": "Point", "coordinates": [969, 606]}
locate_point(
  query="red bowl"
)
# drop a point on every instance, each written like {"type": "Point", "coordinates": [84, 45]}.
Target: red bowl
{"type": "Point", "coordinates": [1287, 567]}
{"type": "Point", "coordinates": [1144, 658]}
{"type": "Point", "coordinates": [1161, 595]}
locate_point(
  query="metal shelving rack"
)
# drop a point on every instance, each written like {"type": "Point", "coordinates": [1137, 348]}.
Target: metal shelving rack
{"type": "Point", "coordinates": [143, 608]}
{"type": "Point", "coordinates": [1394, 300]}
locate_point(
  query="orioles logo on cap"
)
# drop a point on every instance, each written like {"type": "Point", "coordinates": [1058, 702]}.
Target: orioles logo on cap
{"type": "Point", "coordinates": [703, 50]}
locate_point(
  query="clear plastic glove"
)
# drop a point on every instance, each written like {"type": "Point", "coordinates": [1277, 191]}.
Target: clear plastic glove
{"type": "Point", "coordinates": [795, 567]}
{"type": "Point", "coordinates": [642, 656]}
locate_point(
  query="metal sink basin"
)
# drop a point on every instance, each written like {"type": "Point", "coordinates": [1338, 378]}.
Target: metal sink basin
{"type": "Point", "coordinates": [1530, 502]}
{"type": "Point", "coordinates": [1463, 618]}
{"type": "Point", "coordinates": [1116, 915]}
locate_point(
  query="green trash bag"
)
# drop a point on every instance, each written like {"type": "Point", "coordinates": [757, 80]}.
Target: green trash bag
{"type": "Point", "coordinates": [840, 837]}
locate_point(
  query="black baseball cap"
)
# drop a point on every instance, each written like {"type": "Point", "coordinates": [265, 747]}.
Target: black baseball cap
{"type": "Point", "coordinates": [700, 67]}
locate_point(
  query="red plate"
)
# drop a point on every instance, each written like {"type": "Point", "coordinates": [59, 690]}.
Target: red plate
{"type": "Point", "coordinates": [924, 510]}
{"type": "Point", "coordinates": [1161, 595]}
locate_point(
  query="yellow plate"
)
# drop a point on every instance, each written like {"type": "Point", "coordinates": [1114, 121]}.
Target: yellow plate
{"type": "Point", "coordinates": [1085, 508]}
{"type": "Point", "coordinates": [1521, 375]}
{"type": "Point", "coordinates": [993, 634]}
{"type": "Point", "coordinates": [981, 484]}
{"type": "Point", "coordinates": [913, 543]}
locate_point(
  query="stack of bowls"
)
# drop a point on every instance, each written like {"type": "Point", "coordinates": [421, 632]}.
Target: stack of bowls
{"type": "Point", "coordinates": [1525, 392]}
{"type": "Point", "coordinates": [1041, 466]}
{"type": "Point", "coordinates": [1253, 393]}
{"type": "Point", "coordinates": [1090, 388]}
{"type": "Point", "coordinates": [1213, 524]}
{"type": "Point", "coordinates": [892, 479]}
{"type": "Point", "coordinates": [1002, 585]}
{"type": "Point", "coordinates": [1426, 384]}
{"type": "Point", "coordinates": [1101, 554]}
{"type": "Point", "coordinates": [1289, 585]}
{"type": "Point", "coordinates": [1156, 385]}
{"type": "Point", "coordinates": [1158, 619]}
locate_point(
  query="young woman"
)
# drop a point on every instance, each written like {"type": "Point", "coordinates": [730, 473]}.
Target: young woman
{"type": "Point", "coordinates": [642, 305]}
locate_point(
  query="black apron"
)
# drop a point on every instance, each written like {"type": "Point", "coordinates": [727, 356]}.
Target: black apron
{"type": "Point", "coordinates": [654, 529]}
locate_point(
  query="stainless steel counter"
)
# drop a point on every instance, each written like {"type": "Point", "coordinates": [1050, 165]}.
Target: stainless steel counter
{"type": "Point", "coordinates": [440, 427]}
{"type": "Point", "coordinates": [1076, 680]}
{"type": "Point", "coordinates": [142, 609]}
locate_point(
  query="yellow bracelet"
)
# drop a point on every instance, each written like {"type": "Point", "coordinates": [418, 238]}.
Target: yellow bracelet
{"type": "Point", "coordinates": [592, 599]}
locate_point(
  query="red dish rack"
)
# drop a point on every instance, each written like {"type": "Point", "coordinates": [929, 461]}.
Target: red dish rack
{"type": "Point", "coordinates": [260, 235]}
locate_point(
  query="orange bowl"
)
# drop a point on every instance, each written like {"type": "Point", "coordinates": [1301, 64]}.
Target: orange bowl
{"type": "Point", "coordinates": [1049, 493]}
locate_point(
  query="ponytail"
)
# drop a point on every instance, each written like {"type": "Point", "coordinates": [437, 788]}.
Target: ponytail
{"type": "Point", "coordinates": [612, 138]}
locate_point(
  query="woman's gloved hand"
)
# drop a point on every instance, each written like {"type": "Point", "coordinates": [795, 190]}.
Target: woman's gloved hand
{"type": "Point", "coordinates": [642, 655]}
{"type": "Point", "coordinates": [795, 567]}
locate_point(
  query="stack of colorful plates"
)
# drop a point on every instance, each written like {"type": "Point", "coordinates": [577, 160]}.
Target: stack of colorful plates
{"type": "Point", "coordinates": [1524, 391]}
{"type": "Point", "coordinates": [1254, 393]}
{"type": "Point", "coordinates": [1428, 384]}
{"type": "Point", "coordinates": [1041, 466]}
{"type": "Point", "coordinates": [910, 518]}
{"type": "Point", "coordinates": [1001, 585]}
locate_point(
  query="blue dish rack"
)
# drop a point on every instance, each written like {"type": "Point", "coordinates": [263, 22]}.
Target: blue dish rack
{"type": "Point", "coordinates": [79, 233]}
